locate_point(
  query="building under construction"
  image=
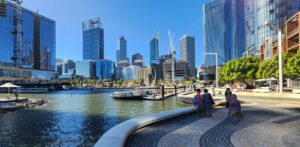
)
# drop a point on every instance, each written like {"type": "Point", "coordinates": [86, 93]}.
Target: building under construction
{"type": "Point", "coordinates": [27, 43]}
{"type": "Point", "coordinates": [181, 70]}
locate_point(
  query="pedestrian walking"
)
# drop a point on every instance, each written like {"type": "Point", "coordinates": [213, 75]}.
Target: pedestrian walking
{"type": "Point", "coordinates": [197, 102]}
{"type": "Point", "coordinates": [226, 97]}
{"type": "Point", "coordinates": [208, 102]}
{"type": "Point", "coordinates": [234, 105]}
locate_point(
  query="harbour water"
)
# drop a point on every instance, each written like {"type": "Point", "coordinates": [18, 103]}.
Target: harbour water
{"type": "Point", "coordinates": [73, 118]}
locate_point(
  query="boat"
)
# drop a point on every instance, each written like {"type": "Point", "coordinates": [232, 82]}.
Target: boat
{"type": "Point", "coordinates": [30, 90]}
{"type": "Point", "coordinates": [133, 95]}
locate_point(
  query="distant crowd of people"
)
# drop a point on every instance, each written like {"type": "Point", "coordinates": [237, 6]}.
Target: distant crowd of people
{"type": "Point", "coordinates": [204, 102]}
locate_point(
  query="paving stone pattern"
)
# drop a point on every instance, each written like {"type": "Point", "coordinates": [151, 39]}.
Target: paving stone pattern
{"type": "Point", "coordinates": [220, 135]}
{"type": "Point", "coordinates": [150, 135]}
{"type": "Point", "coordinates": [260, 127]}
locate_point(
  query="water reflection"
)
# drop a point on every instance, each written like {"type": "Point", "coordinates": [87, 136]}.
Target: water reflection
{"type": "Point", "coordinates": [73, 118]}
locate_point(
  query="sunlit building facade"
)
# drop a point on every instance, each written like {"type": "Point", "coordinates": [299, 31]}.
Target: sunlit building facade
{"type": "Point", "coordinates": [86, 68]}
{"type": "Point", "coordinates": [214, 34]}
{"type": "Point", "coordinates": [187, 53]}
{"type": "Point", "coordinates": [257, 12]}
{"type": "Point", "coordinates": [130, 73]}
{"type": "Point", "coordinates": [105, 69]}
{"type": "Point", "coordinates": [154, 49]}
{"type": "Point", "coordinates": [234, 29]}
{"type": "Point", "coordinates": [38, 54]}
{"type": "Point", "coordinates": [93, 39]}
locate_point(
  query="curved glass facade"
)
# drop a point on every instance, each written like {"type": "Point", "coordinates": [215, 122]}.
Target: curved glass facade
{"type": "Point", "coordinates": [39, 46]}
{"type": "Point", "coordinates": [257, 12]}
{"type": "Point", "coordinates": [214, 31]}
{"type": "Point", "coordinates": [234, 29]}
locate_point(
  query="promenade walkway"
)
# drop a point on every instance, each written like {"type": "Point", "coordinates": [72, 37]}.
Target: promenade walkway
{"type": "Point", "coordinates": [266, 122]}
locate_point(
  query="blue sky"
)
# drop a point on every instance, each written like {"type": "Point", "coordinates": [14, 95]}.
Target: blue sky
{"type": "Point", "coordinates": [137, 20]}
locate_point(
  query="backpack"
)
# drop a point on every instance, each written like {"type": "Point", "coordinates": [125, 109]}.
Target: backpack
{"type": "Point", "coordinates": [196, 101]}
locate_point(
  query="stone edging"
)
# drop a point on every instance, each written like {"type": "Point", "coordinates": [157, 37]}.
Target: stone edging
{"type": "Point", "coordinates": [117, 135]}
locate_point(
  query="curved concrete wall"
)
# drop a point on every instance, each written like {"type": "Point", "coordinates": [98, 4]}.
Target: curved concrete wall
{"type": "Point", "coordinates": [116, 136]}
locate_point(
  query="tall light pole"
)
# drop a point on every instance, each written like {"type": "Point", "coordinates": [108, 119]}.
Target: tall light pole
{"type": "Point", "coordinates": [273, 26]}
{"type": "Point", "coordinates": [217, 78]}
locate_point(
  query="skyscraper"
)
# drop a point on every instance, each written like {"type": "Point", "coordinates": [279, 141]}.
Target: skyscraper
{"type": "Point", "coordinates": [154, 48]}
{"type": "Point", "coordinates": [234, 29]}
{"type": "Point", "coordinates": [187, 52]}
{"type": "Point", "coordinates": [38, 40]}
{"type": "Point", "coordinates": [137, 60]}
{"type": "Point", "coordinates": [214, 32]}
{"type": "Point", "coordinates": [93, 39]}
{"type": "Point", "coordinates": [257, 12]}
{"type": "Point", "coordinates": [123, 48]}
{"type": "Point", "coordinates": [118, 56]}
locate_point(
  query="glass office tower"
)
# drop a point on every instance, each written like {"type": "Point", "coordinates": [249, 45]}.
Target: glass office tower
{"type": "Point", "coordinates": [123, 48]}
{"type": "Point", "coordinates": [187, 53]}
{"type": "Point", "coordinates": [234, 29]}
{"type": "Point", "coordinates": [39, 47]}
{"type": "Point", "coordinates": [93, 39]}
{"type": "Point", "coordinates": [154, 49]}
{"type": "Point", "coordinates": [86, 68]}
{"type": "Point", "coordinates": [214, 32]}
{"type": "Point", "coordinates": [105, 69]}
{"type": "Point", "coordinates": [257, 12]}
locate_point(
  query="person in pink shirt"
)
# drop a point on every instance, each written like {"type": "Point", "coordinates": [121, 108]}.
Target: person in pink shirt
{"type": "Point", "coordinates": [197, 101]}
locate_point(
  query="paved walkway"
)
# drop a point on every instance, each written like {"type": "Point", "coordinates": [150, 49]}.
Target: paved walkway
{"type": "Point", "coordinates": [265, 123]}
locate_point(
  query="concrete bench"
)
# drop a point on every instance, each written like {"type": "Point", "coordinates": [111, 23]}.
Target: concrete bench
{"type": "Point", "coordinates": [117, 135]}
{"type": "Point", "coordinates": [296, 91]}
{"type": "Point", "coordinates": [262, 90]}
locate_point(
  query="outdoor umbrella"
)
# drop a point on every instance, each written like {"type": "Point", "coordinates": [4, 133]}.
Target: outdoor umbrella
{"type": "Point", "coordinates": [9, 85]}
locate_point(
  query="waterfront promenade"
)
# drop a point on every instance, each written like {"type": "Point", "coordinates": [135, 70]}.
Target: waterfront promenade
{"type": "Point", "coordinates": [266, 122]}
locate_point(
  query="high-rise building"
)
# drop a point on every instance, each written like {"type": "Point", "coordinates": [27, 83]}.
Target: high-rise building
{"type": "Point", "coordinates": [154, 48]}
{"type": "Point", "coordinates": [214, 34]}
{"type": "Point", "coordinates": [123, 48]}
{"type": "Point", "coordinates": [131, 72]}
{"type": "Point", "coordinates": [118, 56]}
{"type": "Point", "coordinates": [120, 66]}
{"type": "Point", "coordinates": [93, 39]}
{"type": "Point", "coordinates": [105, 69]}
{"type": "Point", "coordinates": [137, 60]}
{"type": "Point", "coordinates": [181, 70]}
{"type": "Point", "coordinates": [68, 67]}
{"type": "Point", "coordinates": [187, 52]}
{"type": "Point", "coordinates": [38, 52]}
{"type": "Point", "coordinates": [257, 12]}
{"type": "Point", "coordinates": [234, 29]}
{"type": "Point", "coordinates": [86, 68]}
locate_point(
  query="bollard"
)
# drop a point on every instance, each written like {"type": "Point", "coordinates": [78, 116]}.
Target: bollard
{"type": "Point", "coordinates": [184, 88]}
{"type": "Point", "coordinates": [162, 91]}
{"type": "Point", "coordinates": [175, 89]}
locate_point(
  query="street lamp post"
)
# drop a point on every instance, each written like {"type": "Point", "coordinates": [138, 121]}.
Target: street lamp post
{"type": "Point", "coordinates": [217, 78]}
{"type": "Point", "coordinates": [273, 26]}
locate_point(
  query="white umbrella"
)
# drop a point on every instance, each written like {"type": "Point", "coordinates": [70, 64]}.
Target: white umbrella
{"type": "Point", "coordinates": [9, 85]}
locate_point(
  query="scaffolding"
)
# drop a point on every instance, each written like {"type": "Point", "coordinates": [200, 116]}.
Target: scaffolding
{"type": "Point", "coordinates": [18, 34]}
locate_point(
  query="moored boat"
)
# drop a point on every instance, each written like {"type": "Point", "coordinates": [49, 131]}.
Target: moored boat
{"type": "Point", "coordinates": [128, 95]}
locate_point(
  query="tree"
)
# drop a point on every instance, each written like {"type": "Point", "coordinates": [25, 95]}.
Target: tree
{"type": "Point", "coordinates": [269, 68]}
{"type": "Point", "coordinates": [243, 70]}
{"type": "Point", "coordinates": [293, 65]}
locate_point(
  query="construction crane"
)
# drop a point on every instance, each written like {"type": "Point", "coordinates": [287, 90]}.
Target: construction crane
{"type": "Point", "coordinates": [172, 52]}
{"type": "Point", "coordinates": [17, 32]}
